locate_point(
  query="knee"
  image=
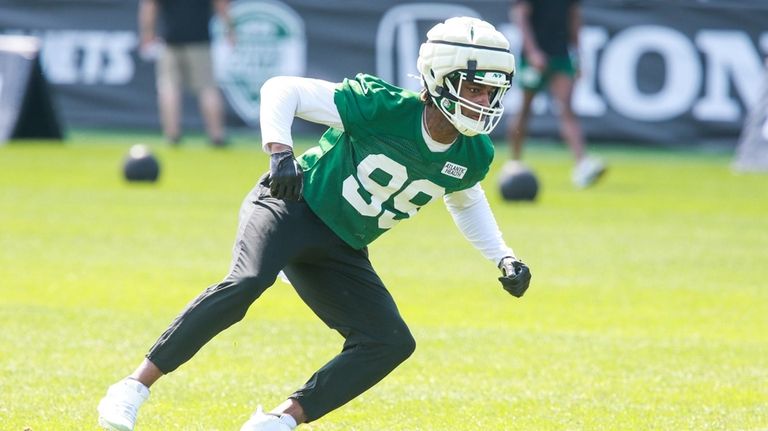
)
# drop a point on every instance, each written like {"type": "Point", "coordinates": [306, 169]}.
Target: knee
{"type": "Point", "coordinates": [401, 346]}
{"type": "Point", "coordinates": [252, 286]}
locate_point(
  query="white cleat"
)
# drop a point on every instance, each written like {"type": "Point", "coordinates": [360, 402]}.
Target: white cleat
{"type": "Point", "coordinates": [587, 172]}
{"type": "Point", "coordinates": [261, 421]}
{"type": "Point", "coordinates": [118, 409]}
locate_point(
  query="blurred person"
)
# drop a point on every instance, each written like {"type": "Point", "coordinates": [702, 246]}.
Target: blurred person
{"type": "Point", "coordinates": [387, 152]}
{"type": "Point", "coordinates": [182, 52]}
{"type": "Point", "coordinates": [765, 123]}
{"type": "Point", "coordinates": [751, 153]}
{"type": "Point", "coordinates": [550, 31]}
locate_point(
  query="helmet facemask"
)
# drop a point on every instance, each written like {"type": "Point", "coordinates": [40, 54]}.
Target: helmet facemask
{"type": "Point", "coordinates": [465, 50]}
{"type": "Point", "coordinates": [468, 117]}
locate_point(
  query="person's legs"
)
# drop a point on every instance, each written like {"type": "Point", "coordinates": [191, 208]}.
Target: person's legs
{"type": "Point", "coordinates": [147, 373]}
{"type": "Point", "coordinates": [342, 288]}
{"type": "Point", "coordinates": [270, 233]}
{"type": "Point", "coordinates": [561, 88]}
{"type": "Point", "coordinates": [518, 129]}
{"type": "Point", "coordinates": [531, 80]}
{"type": "Point", "coordinates": [203, 83]}
{"type": "Point", "coordinates": [587, 170]}
{"type": "Point", "coordinates": [211, 107]}
{"type": "Point", "coordinates": [169, 88]}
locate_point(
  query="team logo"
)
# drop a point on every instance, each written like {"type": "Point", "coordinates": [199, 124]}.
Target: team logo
{"type": "Point", "coordinates": [269, 41]}
{"type": "Point", "coordinates": [454, 170]}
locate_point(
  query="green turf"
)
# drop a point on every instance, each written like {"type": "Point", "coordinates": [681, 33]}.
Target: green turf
{"type": "Point", "coordinates": [648, 309]}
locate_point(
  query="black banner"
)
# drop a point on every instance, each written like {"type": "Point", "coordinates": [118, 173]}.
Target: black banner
{"type": "Point", "coordinates": [680, 72]}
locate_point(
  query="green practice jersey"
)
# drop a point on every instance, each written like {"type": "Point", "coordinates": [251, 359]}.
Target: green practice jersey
{"type": "Point", "coordinates": [378, 171]}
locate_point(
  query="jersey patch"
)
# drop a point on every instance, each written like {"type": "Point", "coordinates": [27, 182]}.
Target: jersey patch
{"type": "Point", "coordinates": [454, 170]}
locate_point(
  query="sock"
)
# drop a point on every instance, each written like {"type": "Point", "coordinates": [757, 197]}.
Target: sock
{"type": "Point", "coordinates": [136, 384]}
{"type": "Point", "coordinates": [288, 420]}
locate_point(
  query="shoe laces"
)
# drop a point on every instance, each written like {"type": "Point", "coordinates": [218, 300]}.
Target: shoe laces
{"type": "Point", "coordinates": [127, 401]}
{"type": "Point", "coordinates": [129, 409]}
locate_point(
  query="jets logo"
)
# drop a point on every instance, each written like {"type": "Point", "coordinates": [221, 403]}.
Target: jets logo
{"type": "Point", "coordinates": [495, 75]}
{"type": "Point", "coordinates": [269, 41]}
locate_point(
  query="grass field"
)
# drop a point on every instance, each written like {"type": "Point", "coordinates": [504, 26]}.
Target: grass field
{"type": "Point", "coordinates": [648, 308]}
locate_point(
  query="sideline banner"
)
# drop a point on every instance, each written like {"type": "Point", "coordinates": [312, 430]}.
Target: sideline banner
{"type": "Point", "coordinates": [676, 72]}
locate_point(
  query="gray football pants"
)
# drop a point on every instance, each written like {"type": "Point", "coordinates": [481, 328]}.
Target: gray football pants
{"type": "Point", "coordinates": [336, 281]}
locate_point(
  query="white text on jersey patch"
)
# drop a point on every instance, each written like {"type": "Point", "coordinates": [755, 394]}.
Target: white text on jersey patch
{"type": "Point", "coordinates": [454, 170]}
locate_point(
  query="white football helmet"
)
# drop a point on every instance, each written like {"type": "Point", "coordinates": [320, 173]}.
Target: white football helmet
{"type": "Point", "coordinates": [462, 50]}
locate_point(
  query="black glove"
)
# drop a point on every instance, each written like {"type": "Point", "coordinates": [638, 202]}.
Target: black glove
{"type": "Point", "coordinates": [285, 176]}
{"type": "Point", "coordinates": [515, 276]}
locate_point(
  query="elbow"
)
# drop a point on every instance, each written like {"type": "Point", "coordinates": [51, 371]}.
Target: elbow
{"type": "Point", "coordinates": [457, 207]}
{"type": "Point", "coordinates": [453, 203]}
{"type": "Point", "coordinates": [279, 85]}
{"type": "Point", "coordinates": [273, 83]}
{"type": "Point", "coordinates": [277, 91]}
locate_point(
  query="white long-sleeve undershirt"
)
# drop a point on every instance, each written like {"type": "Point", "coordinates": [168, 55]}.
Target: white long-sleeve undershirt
{"type": "Point", "coordinates": [286, 97]}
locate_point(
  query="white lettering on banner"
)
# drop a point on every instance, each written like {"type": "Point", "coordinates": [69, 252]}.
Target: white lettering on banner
{"type": "Point", "coordinates": [620, 64]}
{"type": "Point", "coordinates": [709, 75]}
{"type": "Point", "coordinates": [89, 57]}
{"type": "Point", "coordinates": [586, 100]}
{"type": "Point", "coordinates": [727, 53]}
{"type": "Point", "coordinates": [729, 57]}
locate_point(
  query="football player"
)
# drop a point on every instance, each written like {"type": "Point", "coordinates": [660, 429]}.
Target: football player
{"type": "Point", "coordinates": [387, 152]}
